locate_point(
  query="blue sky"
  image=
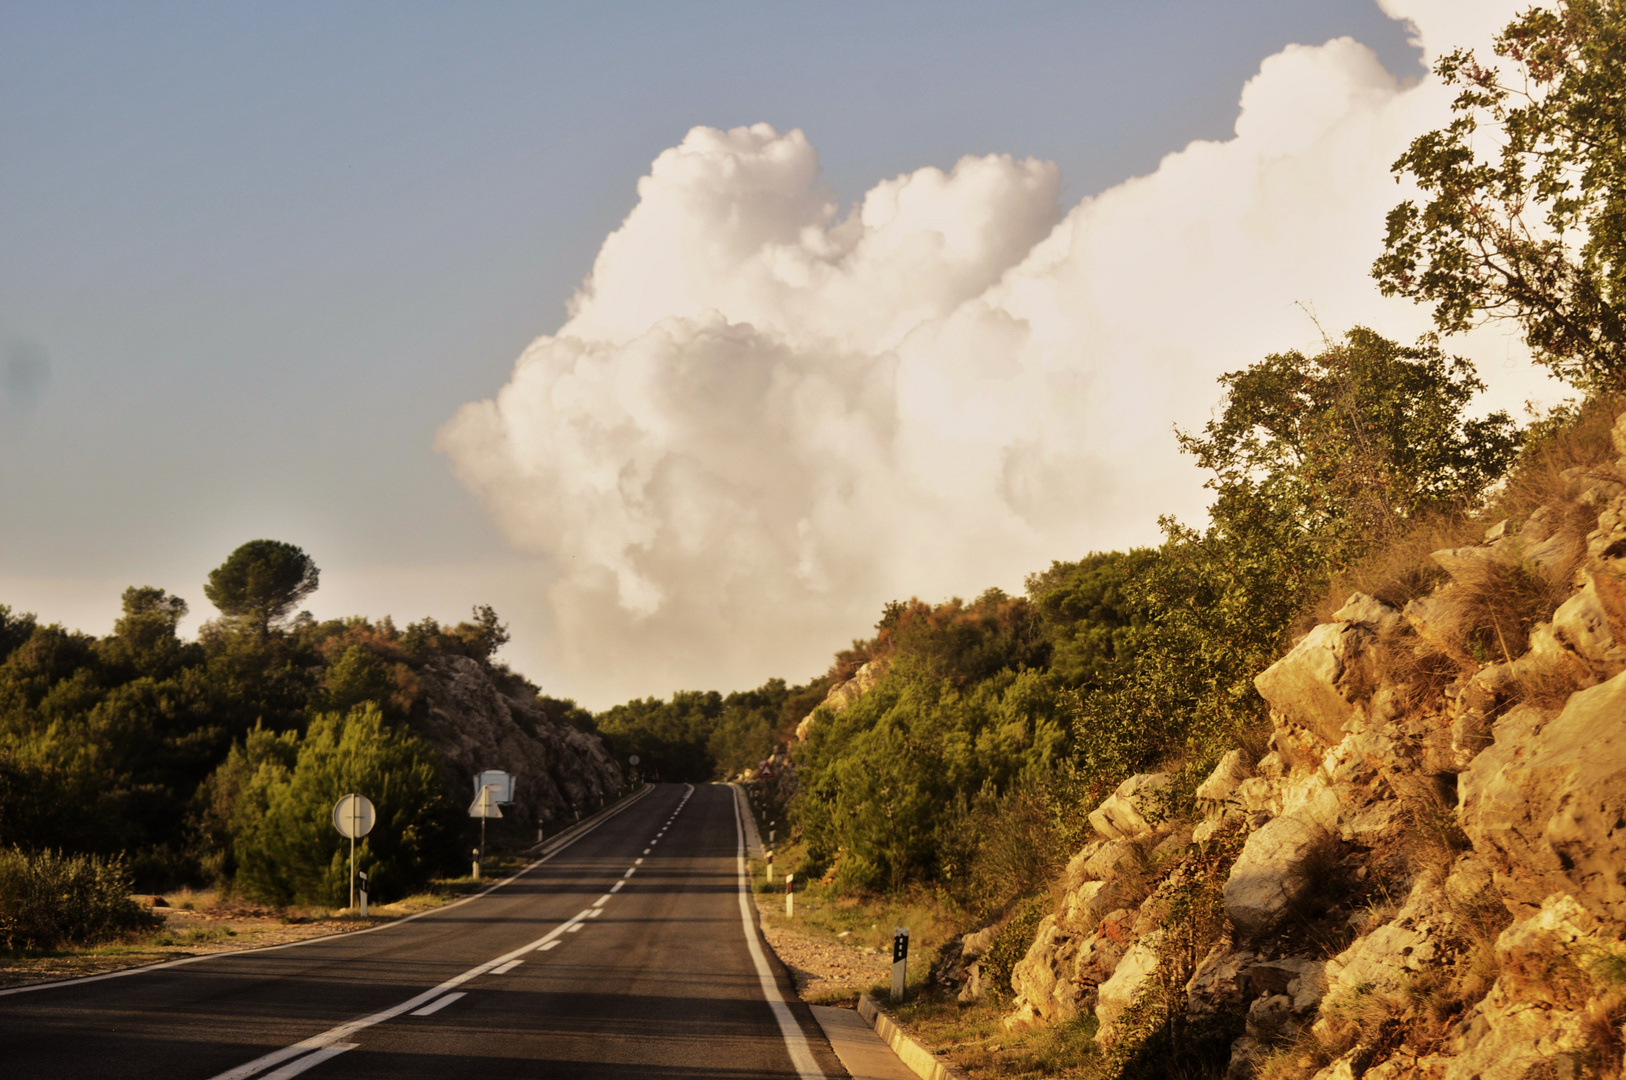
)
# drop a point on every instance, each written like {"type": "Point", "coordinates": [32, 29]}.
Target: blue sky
{"type": "Point", "coordinates": [252, 256]}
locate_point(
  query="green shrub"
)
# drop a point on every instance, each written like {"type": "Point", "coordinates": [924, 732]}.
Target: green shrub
{"type": "Point", "coordinates": [49, 900]}
{"type": "Point", "coordinates": [280, 792]}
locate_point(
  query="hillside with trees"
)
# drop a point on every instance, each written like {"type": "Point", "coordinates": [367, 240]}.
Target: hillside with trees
{"type": "Point", "coordinates": [218, 760]}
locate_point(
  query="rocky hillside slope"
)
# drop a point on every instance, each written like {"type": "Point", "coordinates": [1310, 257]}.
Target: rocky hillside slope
{"type": "Point", "coordinates": [559, 771]}
{"type": "Point", "coordinates": [1423, 874]}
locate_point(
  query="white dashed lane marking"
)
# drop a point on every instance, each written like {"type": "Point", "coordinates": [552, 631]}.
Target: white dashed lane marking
{"type": "Point", "coordinates": [439, 1004]}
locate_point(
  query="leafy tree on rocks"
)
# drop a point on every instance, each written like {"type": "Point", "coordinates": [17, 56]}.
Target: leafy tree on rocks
{"type": "Point", "coordinates": [261, 582]}
{"type": "Point", "coordinates": [1313, 459]}
{"type": "Point", "coordinates": [1530, 223]}
{"type": "Point", "coordinates": [1345, 446]}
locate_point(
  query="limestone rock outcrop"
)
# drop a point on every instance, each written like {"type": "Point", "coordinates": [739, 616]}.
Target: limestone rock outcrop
{"type": "Point", "coordinates": [559, 771]}
{"type": "Point", "coordinates": [1546, 804]}
{"type": "Point", "coordinates": [841, 696]}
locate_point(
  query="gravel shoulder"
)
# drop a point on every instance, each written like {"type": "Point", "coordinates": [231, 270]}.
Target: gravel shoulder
{"type": "Point", "coordinates": [826, 969]}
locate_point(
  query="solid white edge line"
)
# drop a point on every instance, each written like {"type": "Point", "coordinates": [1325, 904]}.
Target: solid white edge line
{"type": "Point", "coordinates": [297, 1067]}
{"type": "Point", "coordinates": [435, 1006]}
{"type": "Point", "coordinates": [144, 968]}
{"type": "Point", "coordinates": [801, 1055]}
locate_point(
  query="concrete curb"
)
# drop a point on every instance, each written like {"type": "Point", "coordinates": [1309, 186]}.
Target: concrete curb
{"type": "Point", "coordinates": [924, 1063]}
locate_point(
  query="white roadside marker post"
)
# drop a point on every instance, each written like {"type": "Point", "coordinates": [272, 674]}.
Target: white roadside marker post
{"type": "Point", "coordinates": [770, 867]}
{"type": "Point", "coordinates": [363, 876]}
{"type": "Point", "coordinates": [790, 896]}
{"type": "Point", "coordinates": [900, 960]}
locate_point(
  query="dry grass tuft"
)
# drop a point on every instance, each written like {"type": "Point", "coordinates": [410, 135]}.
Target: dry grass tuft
{"type": "Point", "coordinates": [1582, 442]}
{"type": "Point", "coordinates": [1400, 570]}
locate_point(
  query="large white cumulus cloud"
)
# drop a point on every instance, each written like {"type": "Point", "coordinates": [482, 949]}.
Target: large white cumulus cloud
{"type": "Point", "coordinates": [764, 417]}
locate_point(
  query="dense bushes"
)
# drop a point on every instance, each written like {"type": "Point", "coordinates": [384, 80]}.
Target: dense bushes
{"type": "Point", "coordinates": [49, 900]}
{"type": "Point", "coordinates": [274, 797]}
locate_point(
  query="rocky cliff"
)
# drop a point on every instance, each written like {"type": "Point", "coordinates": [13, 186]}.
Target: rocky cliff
{"type": "Point", "coordinates": [1423, 875]}
{"type": "Point", "coordinates": [559, 771]}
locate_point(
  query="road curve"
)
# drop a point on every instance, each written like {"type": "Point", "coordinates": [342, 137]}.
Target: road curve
{"type": "Point", "coordinates": [633, 952]}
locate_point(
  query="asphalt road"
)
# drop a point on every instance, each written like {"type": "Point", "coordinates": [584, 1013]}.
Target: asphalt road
{"type": "Point", "coordinates": [628, 953]}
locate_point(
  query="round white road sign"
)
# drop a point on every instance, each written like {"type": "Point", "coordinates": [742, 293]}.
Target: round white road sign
{"type": "Point", "coordinates": [353, 816]}
{"type": "Point", "coordinates": [633, 760]}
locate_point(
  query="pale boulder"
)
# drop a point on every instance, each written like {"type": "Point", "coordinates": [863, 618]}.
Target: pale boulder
{"type": "Point", "coordinates": [1321, 682]}
{"type": "Point", "coordinates": [1386, 959]}
{"type": "Point", "coordinates": [1582, 625]}
{"type": "Point", "coordinates": [1132, 810]}
{"type": "Point", "coordinates": [1369, 611]}
{"type": "Point", "coordinates": [1468, 565]}
{"type": "Point", "coordinates": [1226, 777]}
{"type": "Point", "coordinates": [1132, 975]}
{"type": "Point", "coordinates": [1272, 872]}
{"type": "Point", "coordinates": [1545, 805]}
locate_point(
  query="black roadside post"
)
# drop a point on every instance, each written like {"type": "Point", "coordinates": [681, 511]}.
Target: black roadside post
{"type": "Point", "coordinates": [900, 960]}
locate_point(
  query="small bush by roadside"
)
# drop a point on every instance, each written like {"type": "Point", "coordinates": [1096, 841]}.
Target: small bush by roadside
{"type": "Point", "coordinates": [48, 900]}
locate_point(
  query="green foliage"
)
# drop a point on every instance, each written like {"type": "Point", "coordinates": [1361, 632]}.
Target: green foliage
{"type": "Point", "coordinates": [959, 713]}
{"type": "Point", "coordinates": [261, 582]}
{"type": "Point", "coordinates": [1530, 223]}
{"type": "Point", "coordinates": [1313, 459]}
{"type": "Point", "coordinates": [277, 795]}
{"type": "Point", "coordinates": [49, 900]}
{"type": "Point", "coordinates": [1090, 618]}
{"type": "Point", "coordinates": [1345, 446]}
{"type": "Point", "coordinates": [478, 640]}
{"type": "Point", "coordinates": [704, 735]}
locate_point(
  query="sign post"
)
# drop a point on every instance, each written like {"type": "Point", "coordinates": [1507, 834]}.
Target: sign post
{"type": "Point", "coordinates": [484, 806]}
{"type": "Point", "coordinates": [900, 960]}
{"type": "Point", "coordinates": [790, 896]}
{"type": "Point", "coordinates": [353, 816]}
